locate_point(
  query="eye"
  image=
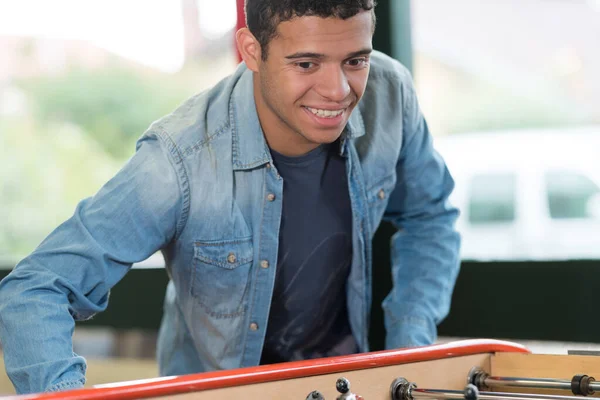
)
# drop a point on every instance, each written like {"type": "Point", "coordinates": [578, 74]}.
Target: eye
{"type": "Point", "coordinates": [305, 65]}
{"type": "Point", "coordinates": [358, 62]}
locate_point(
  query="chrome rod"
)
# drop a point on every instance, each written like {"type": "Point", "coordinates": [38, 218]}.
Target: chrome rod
{"type": "Point", "coordinates": [416, 394]}
{"type": "Point", "coordinates": [580, 384]}
{"type": "Point", "coordinates": [540, 383]}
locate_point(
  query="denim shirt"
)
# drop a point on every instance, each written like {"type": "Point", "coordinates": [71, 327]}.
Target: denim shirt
{"type": "Point", "coordinates": [202, 188]}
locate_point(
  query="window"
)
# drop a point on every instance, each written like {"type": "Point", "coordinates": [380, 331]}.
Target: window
{"type": "Point", "coordinates": [80, 85]}
{"type": "Point", "coordinates": [492, 198]}
{"type": "Point", "coordinates": [512, 98]}
{"type": "Point", "coordinates": [569, 194]}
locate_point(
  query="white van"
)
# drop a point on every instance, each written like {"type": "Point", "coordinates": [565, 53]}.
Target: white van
{"type": "Point", "coordinates": [526, 195]}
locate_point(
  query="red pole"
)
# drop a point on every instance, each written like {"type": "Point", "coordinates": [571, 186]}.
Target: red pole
{"type": "Point", "coordinates": [241, 23]}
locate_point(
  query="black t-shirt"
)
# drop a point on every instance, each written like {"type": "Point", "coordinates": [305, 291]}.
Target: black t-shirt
{"type": "Point", "coordinates": [309, 317]}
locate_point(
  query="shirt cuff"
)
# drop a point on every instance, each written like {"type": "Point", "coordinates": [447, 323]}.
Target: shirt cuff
{"type": "Point", "coordinates": [410, 331]}
{"type": "Point", "coordinates": [67, 385]}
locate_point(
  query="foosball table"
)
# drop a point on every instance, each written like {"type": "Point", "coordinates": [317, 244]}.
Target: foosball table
{"type": "Point", "coordinates": [469, 369]}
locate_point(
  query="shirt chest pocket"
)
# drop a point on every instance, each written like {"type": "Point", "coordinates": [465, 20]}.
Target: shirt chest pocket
{"type": "Point", "coordinates": [378, 196]}
{"type": "Point", "coordinates": [221, 276]}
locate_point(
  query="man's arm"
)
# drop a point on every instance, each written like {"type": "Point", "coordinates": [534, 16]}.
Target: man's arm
{"type": "Point", "coordinates": [68, 277]}
{"type": "Point", "coordinates": [425, 250]}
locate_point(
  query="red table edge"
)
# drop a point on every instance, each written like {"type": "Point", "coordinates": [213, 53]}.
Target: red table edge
{"type": "Point", "coordinates": [268, 373]}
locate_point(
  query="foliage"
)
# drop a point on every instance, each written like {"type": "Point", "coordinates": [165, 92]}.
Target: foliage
{"type": "Point", "coordinates": [113, 106]}
{"type": "Point", "coordinates": [47, 169]}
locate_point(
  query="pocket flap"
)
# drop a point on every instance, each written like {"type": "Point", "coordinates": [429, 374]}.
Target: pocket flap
{"type": "Point", "coordinates": [228, 254]}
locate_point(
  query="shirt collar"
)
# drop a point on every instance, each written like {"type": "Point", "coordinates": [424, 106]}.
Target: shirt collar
{"type": "Point", "coordinates": [355, 128]}
{"type": "Point", "coordinates": [249, 145]}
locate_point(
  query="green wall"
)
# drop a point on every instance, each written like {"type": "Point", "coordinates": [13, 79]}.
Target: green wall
{"type": "Point", "coordinates": [393, 32]}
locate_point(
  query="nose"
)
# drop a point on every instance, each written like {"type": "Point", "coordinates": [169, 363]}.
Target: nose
{"type": "Point", "coordinates": [334, 84]}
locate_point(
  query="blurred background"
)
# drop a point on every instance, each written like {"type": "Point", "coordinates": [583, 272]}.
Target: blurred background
{"type": "Point", "coordinates": [510, 90]}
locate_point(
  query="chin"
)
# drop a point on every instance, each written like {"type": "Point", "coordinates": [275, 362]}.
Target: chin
{"type": "Point", "coordinates": [324, 137]}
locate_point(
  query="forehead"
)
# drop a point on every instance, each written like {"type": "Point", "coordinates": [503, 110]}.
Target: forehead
{"type": "Point", "coordinates": [324, 35]}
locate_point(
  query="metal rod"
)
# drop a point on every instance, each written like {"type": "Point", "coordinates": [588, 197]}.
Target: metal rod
{"type": "Point", "coordinates": [416, 394]}
{"type": "Point", "coordinates": [540, 383]}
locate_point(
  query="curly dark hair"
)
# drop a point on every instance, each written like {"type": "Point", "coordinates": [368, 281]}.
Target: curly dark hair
{"type": "Point", "coordinates": [263, 16]}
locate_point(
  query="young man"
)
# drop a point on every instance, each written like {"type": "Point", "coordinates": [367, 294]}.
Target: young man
{"type": "Point", "coordinates": [263, 194]}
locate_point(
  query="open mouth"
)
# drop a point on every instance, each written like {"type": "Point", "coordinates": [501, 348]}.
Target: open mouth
{"type": "Point", "coordinates": [326, 113]}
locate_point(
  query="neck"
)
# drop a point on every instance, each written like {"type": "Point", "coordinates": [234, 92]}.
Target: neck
{"type": "Point", "coordinates": [288, 147]}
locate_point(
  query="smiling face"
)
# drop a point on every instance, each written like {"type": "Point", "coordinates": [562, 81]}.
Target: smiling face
{"type": "Point", "coordinates": [315, 73]}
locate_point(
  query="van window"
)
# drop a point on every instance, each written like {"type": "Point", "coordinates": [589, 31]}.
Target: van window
{"type": "Point", "coordinates": [492, 198]}
{"type": "Point", "coordinates": [568, 194]}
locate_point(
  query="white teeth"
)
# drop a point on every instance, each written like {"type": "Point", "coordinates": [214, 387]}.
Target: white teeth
{"type": "Point", "coordinates": [325, 113]}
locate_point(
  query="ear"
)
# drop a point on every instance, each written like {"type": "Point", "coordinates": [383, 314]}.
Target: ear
{"type": "Point", "coordinates": [249, 48]}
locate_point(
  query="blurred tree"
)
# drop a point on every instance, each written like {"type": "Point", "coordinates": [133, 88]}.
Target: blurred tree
{"type": "Point", "coordinates": [113, 106]}
{"type": "Point", "coordinates": [43, 177]}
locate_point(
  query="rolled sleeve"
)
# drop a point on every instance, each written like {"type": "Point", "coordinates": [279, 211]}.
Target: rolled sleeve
{"type": "Point", "coordinates": [425, 250]}
{"type": "Point", "coordinates": [69, 276]}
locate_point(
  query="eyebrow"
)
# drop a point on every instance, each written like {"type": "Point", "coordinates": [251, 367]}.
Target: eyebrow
{"type": "Point", "coordinates": [321, 56]}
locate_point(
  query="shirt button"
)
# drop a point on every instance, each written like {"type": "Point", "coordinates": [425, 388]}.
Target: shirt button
{"type": "Point", "coordinates": [231, 258]}
{"type": "Point", "coordinates": [264, 264]}
{"type": "Point", "coordinates": [254, 326]}
{"type": "Point", "coordinates": [381, 194]}
{"type": "Point", "coordinates": [270, 197]}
